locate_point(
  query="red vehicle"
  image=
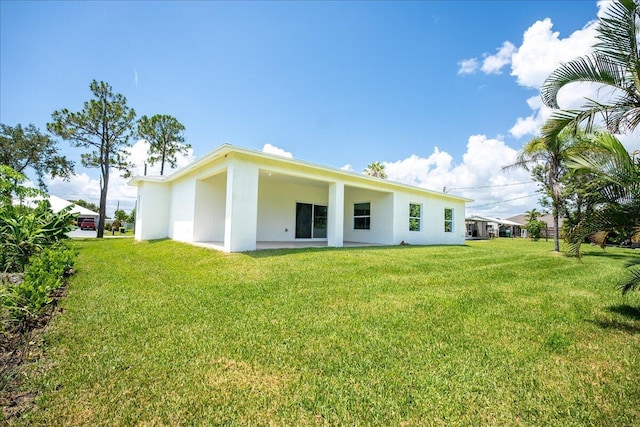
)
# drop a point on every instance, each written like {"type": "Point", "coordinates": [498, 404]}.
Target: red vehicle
{"type": "Point", "coordinates": [87, 224]}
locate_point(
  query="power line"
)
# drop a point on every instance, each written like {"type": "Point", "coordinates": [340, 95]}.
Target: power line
{"type": "Point", "coordinates": [501, 201]}
{"type": "Point", "coordinates": [489, 186]}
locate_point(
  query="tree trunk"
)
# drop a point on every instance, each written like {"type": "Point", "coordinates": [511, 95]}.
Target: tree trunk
{"type": "Point", "coordinates": [105, 149]}
{"type": "Point", "coordinates": [556, 231]}
{"type": "Point", "coordinates": [162, 164]}
{"type": "Point", "coordinates": [103, 197]}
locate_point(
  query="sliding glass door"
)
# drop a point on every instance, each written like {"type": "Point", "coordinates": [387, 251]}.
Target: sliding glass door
{"type": "Point", "coordinates": [319, 221]}
{"type": "Point", "coordinates": [311, 221]}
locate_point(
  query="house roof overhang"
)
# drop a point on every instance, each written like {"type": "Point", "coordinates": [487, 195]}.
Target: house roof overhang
{"type": "Point", "coordinates": [226, 150]}
{"type": "Point", "coordinates": [489, 219]}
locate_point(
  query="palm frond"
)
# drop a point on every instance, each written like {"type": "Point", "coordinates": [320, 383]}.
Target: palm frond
{"type": "Point", "coordinates": [595, 68]}
{"type": "Point", "coordinates": [616, 32]}
{"type": "Point", "coordinates": [608, 159]}
{"type": "Point", "coordinates": [569, 120]}
{"type": "Point", "coordinates": [632, 283]}
{"type": "Point", "coordinates": [605, 219]}
{"type": "Point", "coordinates": [598, 238]}
{"type": "Point", "coordinates": [529, 156]}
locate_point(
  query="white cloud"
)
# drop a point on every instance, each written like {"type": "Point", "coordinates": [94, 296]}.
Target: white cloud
{"type": "Point", "coordinates": [432, 172]}
{"type": "Point", "coordinates": [347, 168]}
{"type": "Point", "coordinates": [468, 66]}
{"type": "Point", "coordinates": [530, 125]}
{"type": "Point", "coordinates": [542, 51]}
{"type": "Point", "coordinates": [271, 149]}
{"type": "Point", "coordinates": [492, 64]}
{"type": "Point", "coordinates": [80, 186]}
{"type": "Point", "coordinates": [481, 167]}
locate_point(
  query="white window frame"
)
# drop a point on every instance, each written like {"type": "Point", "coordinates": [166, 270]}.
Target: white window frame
{"type": "Point", "coordinates": [418, 218]}
{"type": "Point", "coordinates": [361, 216]}
{"type": "Point", "coordinates": [448, 221]}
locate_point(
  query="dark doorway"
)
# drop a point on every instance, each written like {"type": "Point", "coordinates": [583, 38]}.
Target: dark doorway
{"type": "Point", "coordinates": [311, 221]}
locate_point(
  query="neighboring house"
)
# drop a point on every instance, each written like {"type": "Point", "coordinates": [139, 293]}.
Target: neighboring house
{"type": "Point", "coordinates": [547, 232]}
{"type": "Point", "coordinates": [234, 198]}
{"type": "Point", "coordinates": [483, 227]}
{"type": "Point", "coordinates": [58, 203]}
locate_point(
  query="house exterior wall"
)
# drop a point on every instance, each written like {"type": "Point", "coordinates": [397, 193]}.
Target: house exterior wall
{"type": "Point", "coordinates": [238, 198]}
{"type": "Point", "coordinates": [431, 221]}
{"type": "Point", "coordinates": [277, 207]}
{"type": "Point", "coordinates": [152, 215]}
{"type": "Point", "coordinates": [381, 231]}
{"type": "Point", "coordinates": [210, 208]}
{"type": "Point", "coordinates": [241, 208]}
{"type": "Point", "coordinates": [182, 207]}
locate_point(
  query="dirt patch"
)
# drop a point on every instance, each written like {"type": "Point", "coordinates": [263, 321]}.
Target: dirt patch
{"type": "Point", "coordinates": [21, 344]}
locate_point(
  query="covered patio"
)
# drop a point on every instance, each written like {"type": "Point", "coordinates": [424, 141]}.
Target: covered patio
{"type": "Point", "coordinates": [482, 227]}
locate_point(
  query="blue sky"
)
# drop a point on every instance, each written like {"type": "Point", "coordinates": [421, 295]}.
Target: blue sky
{"type": "Point", "coordinates": [334, 83]}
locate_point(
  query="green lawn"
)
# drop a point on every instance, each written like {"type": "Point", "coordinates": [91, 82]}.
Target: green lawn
{"type": "Point", "coordinates": [493, 333]}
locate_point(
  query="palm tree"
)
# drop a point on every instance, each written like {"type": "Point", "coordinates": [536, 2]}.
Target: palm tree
{"type": "Point", "coordinates": [532, 215]}
{"type": "Point", "coordinates": [545, 157]}
{"type": "Point", "coordinates": [376, 169]}
{"type": "Point", "coordinates": [615, 63]}
{"type": "Point", "coordinates": [618, 196]}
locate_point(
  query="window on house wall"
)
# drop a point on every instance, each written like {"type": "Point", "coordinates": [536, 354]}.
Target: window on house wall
{"type": "Point", "coordinates": [415, 214]}
{"type": "Point", "coordinates": [362, 216]}
{"type": "Point", "coordinates": [448, 220]}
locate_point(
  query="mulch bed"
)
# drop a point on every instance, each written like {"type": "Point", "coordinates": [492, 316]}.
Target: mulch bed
{"type": "Point", "coordinates": [21, 344]}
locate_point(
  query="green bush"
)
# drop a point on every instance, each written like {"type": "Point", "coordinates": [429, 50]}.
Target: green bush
{"type": "Point", "coordinates": [27, 300]}
{"type": "Point", "coordinates": [535, 227]}
{"type": "Point", "coordinates": [44, 274]}
{"type": "Point", "coordinates": [26, 233]}
{"type": "Point", "coordinates": [57, 260]}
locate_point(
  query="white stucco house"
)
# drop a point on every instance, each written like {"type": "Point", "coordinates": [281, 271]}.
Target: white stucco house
{"type": "Point", "coordinates": [485, 227]}
{"type": "Point", "coordinates": [234, 199]}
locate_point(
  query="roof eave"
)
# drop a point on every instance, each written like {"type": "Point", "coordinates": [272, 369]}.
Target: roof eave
{"type": "Point", "coordinates": [225, 149]}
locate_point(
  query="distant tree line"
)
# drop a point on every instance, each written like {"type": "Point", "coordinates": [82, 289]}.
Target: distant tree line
{"type": "Point", "coordinates": [104, 127]}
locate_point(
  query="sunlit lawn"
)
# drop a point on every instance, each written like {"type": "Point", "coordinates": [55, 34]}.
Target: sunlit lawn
{"type": "Point", "coordinates": [493, 333]}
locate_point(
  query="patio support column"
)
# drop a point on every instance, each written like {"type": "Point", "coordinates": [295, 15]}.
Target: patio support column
{"type": "Point", "coordinates": [241, 215]}
{"type": "Point", "coordinates": [335, 229]}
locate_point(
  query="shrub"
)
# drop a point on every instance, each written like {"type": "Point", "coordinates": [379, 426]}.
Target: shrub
{"type": "Point", "coordinates": [26, 301]}
{"type": "Point", "coordinates": [57, 260]}
{"type": "Point", "coordinates": [535, 227]}
{"type": "Point", "coordinates": [26, 233]}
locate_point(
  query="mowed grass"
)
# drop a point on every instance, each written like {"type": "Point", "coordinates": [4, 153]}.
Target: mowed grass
{"type": "Point", "coordinates": [493, 333]}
